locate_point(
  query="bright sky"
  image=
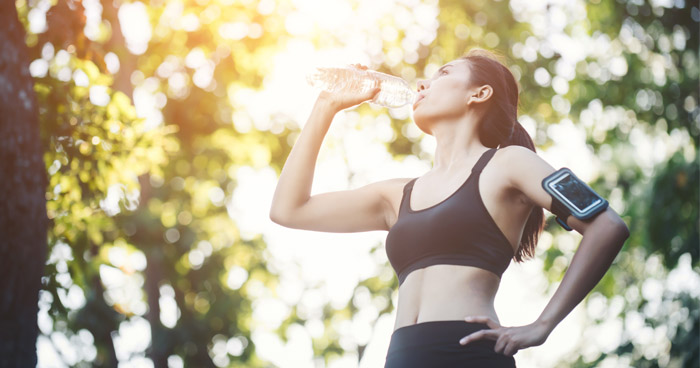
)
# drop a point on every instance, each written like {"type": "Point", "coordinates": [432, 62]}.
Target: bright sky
{"type": "Point", "coordinates": [339, 261]}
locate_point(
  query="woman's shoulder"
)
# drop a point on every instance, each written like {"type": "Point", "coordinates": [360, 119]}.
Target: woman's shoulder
{"type": "Point", "coordinates": [514, 149]}
{"type": "Point", "coordinates": [392, 188]}
{"type": "Point", "coordinates": [523, 169]}
{"type": "Point", "coordinates": [518, 163]}
{"type": "Point", "coordinates": [516, 155]}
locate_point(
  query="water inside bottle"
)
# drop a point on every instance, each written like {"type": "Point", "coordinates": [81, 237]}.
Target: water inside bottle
{"type": "Point", "coordinates": [395, 92]}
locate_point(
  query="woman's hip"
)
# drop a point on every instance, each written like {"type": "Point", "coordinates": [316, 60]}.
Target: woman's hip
{"type": "Point", "coordinates": [436, 344]}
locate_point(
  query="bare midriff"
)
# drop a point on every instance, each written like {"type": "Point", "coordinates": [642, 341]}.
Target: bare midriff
{"type": "Point", "coordinates": [445, 293]}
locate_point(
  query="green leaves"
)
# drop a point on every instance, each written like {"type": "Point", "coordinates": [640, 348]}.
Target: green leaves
{"type": "Point", "coordinates": [673, 211]}
{"type": "Point", "coordinates": [120, 182]}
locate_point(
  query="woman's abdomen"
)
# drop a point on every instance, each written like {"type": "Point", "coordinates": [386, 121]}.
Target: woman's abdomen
{"type": "Point", "coordinates": [446, 292]}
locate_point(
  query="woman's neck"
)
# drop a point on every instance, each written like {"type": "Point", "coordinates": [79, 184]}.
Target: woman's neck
{"type": "Point", "coordinates": [457, 145]}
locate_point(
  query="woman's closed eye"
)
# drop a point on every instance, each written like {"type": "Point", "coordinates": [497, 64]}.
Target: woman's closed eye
{"type": "Point", "coordinates": [440, 73]}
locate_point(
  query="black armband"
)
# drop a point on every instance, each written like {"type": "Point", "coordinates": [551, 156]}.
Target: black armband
{"type": "Point", "coordinates": [572, 196]}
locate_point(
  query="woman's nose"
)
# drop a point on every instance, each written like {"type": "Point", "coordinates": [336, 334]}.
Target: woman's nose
{"type": "Point", "coordinates": [422, 84]}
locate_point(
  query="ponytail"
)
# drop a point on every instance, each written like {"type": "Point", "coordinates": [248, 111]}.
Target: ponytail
{"type": "Point", "coordinates": [535, 222]}
{"type": "Point", "coordinates": [519, 137]}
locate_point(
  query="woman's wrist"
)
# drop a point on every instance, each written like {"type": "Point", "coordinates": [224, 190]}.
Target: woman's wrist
{"type": "Point", "coordinates": [322, 113]}
{"type": "Point", "coordinates": [546, 323]}
{"type": "Point", "coordinates": [325, 101]}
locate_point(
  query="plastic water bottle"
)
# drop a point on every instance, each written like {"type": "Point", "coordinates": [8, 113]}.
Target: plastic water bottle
{"type": "Point", "coordinates": [395, 92]}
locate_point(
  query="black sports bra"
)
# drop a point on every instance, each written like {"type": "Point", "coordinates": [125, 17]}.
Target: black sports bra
{"type": "Point", "coordinates": [458, 230]}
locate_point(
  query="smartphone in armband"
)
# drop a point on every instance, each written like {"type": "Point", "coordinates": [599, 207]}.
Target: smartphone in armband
{"type": "Point", "coordinates": [571, 195]}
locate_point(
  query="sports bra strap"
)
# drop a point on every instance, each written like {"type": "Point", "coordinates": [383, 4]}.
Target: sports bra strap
{"type": "Point", "coordinates": [408, 185]}
{"type": "Point", "coordinates": [483, 160]}
{"type": "Point", "coordinates": [480, 163]}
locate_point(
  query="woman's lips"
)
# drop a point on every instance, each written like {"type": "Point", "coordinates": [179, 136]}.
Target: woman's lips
{"type": "Point", "coordinates": [418, 99]}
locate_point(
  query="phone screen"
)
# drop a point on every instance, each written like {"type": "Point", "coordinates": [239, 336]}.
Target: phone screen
{"type": "Point", "coordinates": [575, 193]}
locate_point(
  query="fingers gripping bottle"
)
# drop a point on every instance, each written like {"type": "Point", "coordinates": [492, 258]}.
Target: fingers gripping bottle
{"type": "Point", "coordinates": [395, 92]}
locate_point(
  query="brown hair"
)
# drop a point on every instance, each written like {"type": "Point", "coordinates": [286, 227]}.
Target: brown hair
{"type": "Point", "coordinates": [500, 126]}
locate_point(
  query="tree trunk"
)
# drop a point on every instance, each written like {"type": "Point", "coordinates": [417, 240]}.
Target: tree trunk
{"type": "Point", "coordinates": [160, 345]}
{"type": "Point", "coordinates": [23, 220]}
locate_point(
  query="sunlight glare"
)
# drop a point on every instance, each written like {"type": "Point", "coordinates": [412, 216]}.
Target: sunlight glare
{"type": "Point", "coordinates": [133, 18]}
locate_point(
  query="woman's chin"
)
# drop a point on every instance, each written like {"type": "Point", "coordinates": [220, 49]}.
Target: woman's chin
{"type": "Point", "coordinates": [422, 124]}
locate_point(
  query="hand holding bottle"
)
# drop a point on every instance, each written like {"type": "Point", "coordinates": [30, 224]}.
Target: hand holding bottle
{"type": "Point", "coordinates": [344, 91]}
{"type": "Point", "coordinates": [356, 84]}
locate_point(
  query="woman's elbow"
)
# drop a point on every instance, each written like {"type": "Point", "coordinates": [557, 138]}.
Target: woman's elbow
{"type": "Point", "coordinates": [624, 229]}
{"type": "Point", "coordinates": [276, 216]}
{"type": "Point", "coordinates": [619, 225]}
{"type": "Point", "coordinates": [613, 225]}
{"type": "Point", "coordinates": [618, 229]}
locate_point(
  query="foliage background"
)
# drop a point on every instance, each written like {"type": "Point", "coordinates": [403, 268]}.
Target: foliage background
{"type": "Point", "coordinates": [156, 118]}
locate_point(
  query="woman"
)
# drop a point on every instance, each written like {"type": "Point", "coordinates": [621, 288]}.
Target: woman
{"type": "Point", "coordinates": [453, 230]}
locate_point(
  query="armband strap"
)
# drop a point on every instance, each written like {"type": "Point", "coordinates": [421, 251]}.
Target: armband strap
{"type": "Point", "coordinates": [562, 214]}
{"type": "Point", "coordinates": [559, 209]}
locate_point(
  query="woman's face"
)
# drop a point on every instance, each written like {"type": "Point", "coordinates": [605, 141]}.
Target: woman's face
{"type": "Point", "coordinates": [445, 95]}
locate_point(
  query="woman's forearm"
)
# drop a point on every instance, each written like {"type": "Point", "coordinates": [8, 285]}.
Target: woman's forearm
{"type": "Point", "coordinates": [294, 185]}
{"type": "Point", "coordinates": [600, 245]}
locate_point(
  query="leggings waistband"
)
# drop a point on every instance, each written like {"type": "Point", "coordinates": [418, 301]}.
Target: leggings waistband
{"type": "Point", "coordinates": [436, 332]}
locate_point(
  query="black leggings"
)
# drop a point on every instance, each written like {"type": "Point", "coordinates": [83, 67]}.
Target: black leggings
{"type": "Point", "coordinates": [436, 344]}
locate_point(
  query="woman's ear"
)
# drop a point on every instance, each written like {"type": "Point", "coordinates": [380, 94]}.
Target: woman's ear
{"type": "Point", "coordinates": [481, 94]}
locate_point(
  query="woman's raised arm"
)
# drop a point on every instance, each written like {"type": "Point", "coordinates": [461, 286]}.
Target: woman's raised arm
{"type": "Point", "coordinates": [362, 209]}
